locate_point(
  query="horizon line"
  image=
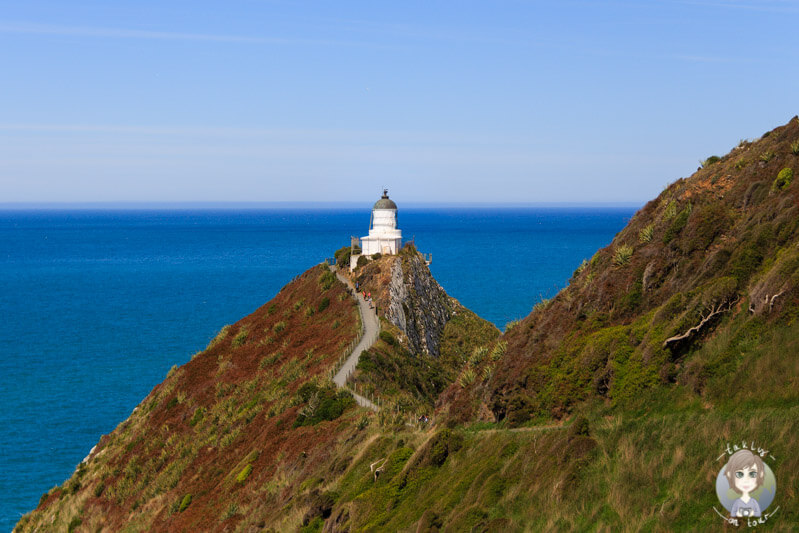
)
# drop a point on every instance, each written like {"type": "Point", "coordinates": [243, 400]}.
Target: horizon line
{"type": "Point", "coordinates": [288, 204]}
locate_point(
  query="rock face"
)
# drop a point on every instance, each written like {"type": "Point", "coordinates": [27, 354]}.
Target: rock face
{"type": "Point", "coordinates": [418, 305]}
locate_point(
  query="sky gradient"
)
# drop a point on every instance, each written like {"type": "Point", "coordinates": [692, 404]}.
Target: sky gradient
{"type": "Point", "coordinates": [272, 101]}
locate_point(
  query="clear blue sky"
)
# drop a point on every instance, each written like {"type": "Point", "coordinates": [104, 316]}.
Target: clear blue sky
{"type": "Point", "coordinates": [502, 101]}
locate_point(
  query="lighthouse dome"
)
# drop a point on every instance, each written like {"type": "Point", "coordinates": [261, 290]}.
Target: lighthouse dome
{"type": "Point", "coordinates": [384, 202]}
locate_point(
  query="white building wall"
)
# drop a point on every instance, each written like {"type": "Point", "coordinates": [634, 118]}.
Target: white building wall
{"type": "Point", "coordinates": [384, 219]}
{"type": "Point", "coordinates": [380, 245]}
{"type": "Point", "coordinates": [384, 237]}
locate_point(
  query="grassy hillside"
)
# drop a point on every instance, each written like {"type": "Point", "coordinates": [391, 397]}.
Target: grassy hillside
{"type": "Point", "coordinates": [228, 439]}
{"type": "Point", "coordinates": [251, 434]}
{"type": "Point", "coordinates": [679, 300]}
{"type": "Point", "coordinates": [677, 339]}
{"type": "Point", "coordinates": [608, 408]}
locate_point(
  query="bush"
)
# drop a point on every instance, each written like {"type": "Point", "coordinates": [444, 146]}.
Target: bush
{"type": "Point", "coordinates": [783, 179]}
{"type": "Point", "coordinates": [499, 350]}
{"type": "Point", "coordinates": [74, 486]}
{"type": "Point", "coordinates": [645, 235]}
{"type": "Point", "coordinates": [467, 378]}
{"type": "Point", "coordinates": [342, 256]}
{"type": "Point", "coordinates": [362, 260]}
{"type": "Point", "coordinates": [314, 526]}
{"type": "Point", "coordinates": [766, 156]}
{"type": "Point", "coordinates": [184, 503]}
{"type": "Point", "coordinates": [73, 524]}
{"type": "Point", "coordinates": [231, 511]}
{"type": "Point", "coordinates": [710, 160]}
{"type": "Point", "coordinates": [388, 338]}
{"type": "Point", "coordinates": [795, 147]}
{"type": "Point", "coordinates": [706, 223]}
{"type": "Point", "coordinates": [441, 446]}
{"type": "Point", "coordinates": [747, 259]}
{"type": "Point", "coordinates": [478, 354]}
{"type": "Point", "coordinates": [278, 327]}
{"type": "Point", "coordinates": [326, 279]}
{"type": "Point", "coordinates": [622, 255]}
{"type": "Point", "coordinates": [244, 474]}
{"type": "Point", "coordinates": [324, 304]}
{"type": "Point", "coordinates": [579, 427]}
{"type": "Point", "coordinates": [677, 225]}
{"type": "Point", "coordinates": [580, 269]}
{"type": "Point", "coordinates": [670, 211]}
{"type": "Point", "coordinates": [219, 337]}
{"type": "Point", "coordinates": [240, 338]}
{"type": "Point", "coordinates": [322, 404]}
{"type": "Point", "coordinates": [198, 415]}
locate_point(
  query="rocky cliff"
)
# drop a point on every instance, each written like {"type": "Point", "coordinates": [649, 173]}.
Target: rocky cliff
{"type": "Point", "coordinates": [434, 332]}
{"type": "Point", "coordinates": [418, 306]}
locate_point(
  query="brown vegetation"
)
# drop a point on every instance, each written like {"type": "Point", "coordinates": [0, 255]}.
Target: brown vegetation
{"type": "Point", "coordinates": [676, 338]}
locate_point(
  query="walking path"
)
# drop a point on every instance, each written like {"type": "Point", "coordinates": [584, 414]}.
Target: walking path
{"type": "Point", "coordinates": [371, 328]}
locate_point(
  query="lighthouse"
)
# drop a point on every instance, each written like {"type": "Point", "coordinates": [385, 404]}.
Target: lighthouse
{"type": "Point", "coordinates": [384, 237]}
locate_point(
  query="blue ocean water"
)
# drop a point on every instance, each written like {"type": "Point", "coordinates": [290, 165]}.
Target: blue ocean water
{"type": "Point", "coordinates": [97, 305]}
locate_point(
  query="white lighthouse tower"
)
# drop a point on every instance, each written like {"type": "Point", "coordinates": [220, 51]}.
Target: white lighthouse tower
{"type": "Point", "coordinates": [384, 237]}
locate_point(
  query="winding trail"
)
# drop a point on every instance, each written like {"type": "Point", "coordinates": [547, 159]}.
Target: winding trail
{"type": "Point", "coordinates": [371, 329]}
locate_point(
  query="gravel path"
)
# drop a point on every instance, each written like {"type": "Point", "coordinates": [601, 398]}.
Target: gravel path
{"type": "Point", "coordinates": [371, 329]}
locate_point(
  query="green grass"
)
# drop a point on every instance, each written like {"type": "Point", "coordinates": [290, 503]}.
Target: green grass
{"type": "Point", "coordinates": [646, 233]}
{"type": "Point", "coordinates": [184, 503]}
{"type": "Point", "coordinates": [467, 377]}
{"type": "Point", "coordinates": [628, 473]}
{"type": "Point", "coordinates": [677, 225]}
{"type": "Point", "coordinates": [240, 338]}
{"type": "Point", "coordinates": [783, 179]}
{"type": "Point", "coordinates": [622, 255]}
{"type": "Point", "coordinates": [326, 279]}
{"type": "Point", "coordinates": [244, 474]}
{"type": "Point", "coordinates": [321, 403]}
{"type": "Point", "coordinates": [223, 333]}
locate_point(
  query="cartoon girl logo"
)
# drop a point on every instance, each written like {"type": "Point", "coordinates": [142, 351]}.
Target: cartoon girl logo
{"type": "Point", "coordinates": [745, 485]}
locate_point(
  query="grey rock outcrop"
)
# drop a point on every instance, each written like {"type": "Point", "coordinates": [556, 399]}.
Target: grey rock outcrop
{"type": "Point", "coordinates": [418, 306]}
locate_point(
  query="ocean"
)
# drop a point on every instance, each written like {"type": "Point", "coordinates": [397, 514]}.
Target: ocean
{"type": "Point", "coordinates": [97, 305]}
